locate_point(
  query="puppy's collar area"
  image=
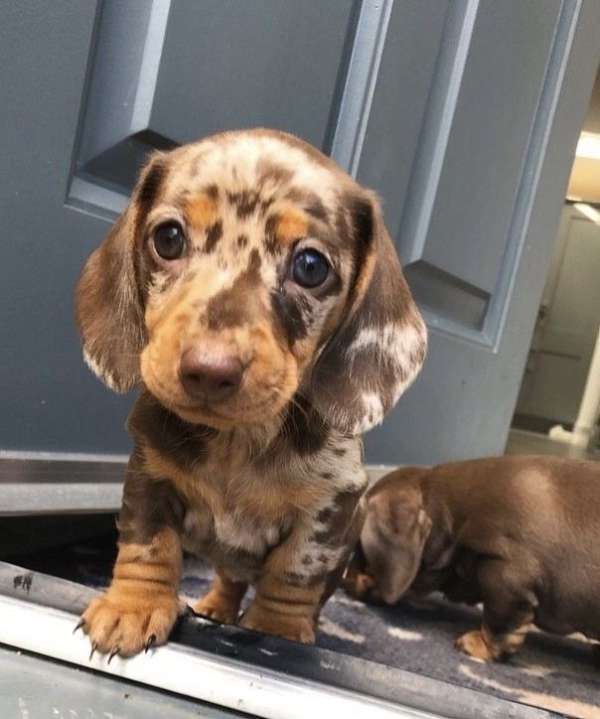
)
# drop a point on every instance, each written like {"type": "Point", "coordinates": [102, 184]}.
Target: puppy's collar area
{"type": "Point", "coordinates": [149, 416]}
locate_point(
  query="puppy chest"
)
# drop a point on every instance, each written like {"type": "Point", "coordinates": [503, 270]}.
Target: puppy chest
{"type": "Point", "coordinates": [215, 535]}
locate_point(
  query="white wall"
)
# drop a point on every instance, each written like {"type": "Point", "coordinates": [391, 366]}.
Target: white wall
{"type": "Point", "coordinates": [564, 340]}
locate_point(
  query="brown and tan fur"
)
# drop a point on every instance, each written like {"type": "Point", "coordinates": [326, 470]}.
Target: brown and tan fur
{"type": "Point", "coordinates": [519, 534]}
{"type": "Point", "coordinates": [266, 483]}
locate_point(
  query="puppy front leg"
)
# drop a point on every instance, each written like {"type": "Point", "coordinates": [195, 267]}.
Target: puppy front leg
{"type": "Point", "coordinates": [498, 643]}
{"type": "Point", "coordinates": [222, 601]}
{"type": "Point", "coordinates": [141, 605]}
{"type": "Point", "coordinates": [284, 608]}
{"type": "Point", "coordinates": [301, 574]}
{"type": "Point", "coordinates": [508, 611]}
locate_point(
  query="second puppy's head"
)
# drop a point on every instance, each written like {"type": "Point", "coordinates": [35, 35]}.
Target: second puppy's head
{"type": "Point", "coordinates": [396, 528]}
{"type": "Point", "coordinates": [249, 270]}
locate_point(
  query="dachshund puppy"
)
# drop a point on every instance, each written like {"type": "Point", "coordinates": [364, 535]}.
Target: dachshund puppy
{"type": "Point", "coordinates": [518, 533]}
{"type": "Point", "coordinates": [253, 293]}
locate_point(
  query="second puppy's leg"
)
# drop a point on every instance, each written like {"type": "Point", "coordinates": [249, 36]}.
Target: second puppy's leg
{"type": "Point", "coordinates": [508, 611]}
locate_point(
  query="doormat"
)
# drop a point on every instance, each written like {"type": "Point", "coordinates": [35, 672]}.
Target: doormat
{"type": "Point", "coordinates": [553, 673]}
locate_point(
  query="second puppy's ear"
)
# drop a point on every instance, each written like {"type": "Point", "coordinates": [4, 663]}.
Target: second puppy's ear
{"type": "Point", "coordinates": [393, 540]}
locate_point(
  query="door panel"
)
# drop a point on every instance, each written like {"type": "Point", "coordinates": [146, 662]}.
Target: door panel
{"type": "Point", "coordinates": [478, 222]}
{"type": "Point", "coordinates": [49, 400]}
{"type": "Point", "coordinates": [274, 61]}
{"type": "Point", "coordinates": [166, 72]}
{"type": "Point", "coordinates": [482, 138]}
{"type": "Point", "coordinates": [463, 114]}
{"type": "Point", "coordinates": [455, 224]}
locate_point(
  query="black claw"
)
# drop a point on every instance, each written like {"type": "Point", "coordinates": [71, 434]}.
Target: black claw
{"type": "Point", "coordinates": [113, 653]}
{"type": "Point", "coordinates": [150, 643]}
{"type": "Point", "coordinates": [79, 624]}
{"type": "Point", "coordinates": [94, 647]}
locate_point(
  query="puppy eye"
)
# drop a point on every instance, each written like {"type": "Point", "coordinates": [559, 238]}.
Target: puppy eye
{"type": "Point", "coordinates": [310, 268]}
{"type": "Point", "coordinates": [169, 241]}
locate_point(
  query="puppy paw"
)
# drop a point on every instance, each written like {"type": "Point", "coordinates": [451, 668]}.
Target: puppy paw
{"type": "Point", "coordinates": [218, 607]}
{"type": "Point", "coordinates": [297, 629]}
{"type": "Point", "coordinates": [123, 625]}
{"type": "Point", "coordinates": [358, 585]}
{"type": "Point", "coordinates": [473, 644]}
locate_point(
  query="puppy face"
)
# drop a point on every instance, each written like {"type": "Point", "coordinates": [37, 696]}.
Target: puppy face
{"type": "Point", "coordinates": [249, 269]}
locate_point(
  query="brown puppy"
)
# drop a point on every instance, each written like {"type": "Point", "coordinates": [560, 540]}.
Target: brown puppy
{"type": "Point", "coordinates": [253, 292]}
{"type": "Point", "coordinates": [520, 534]}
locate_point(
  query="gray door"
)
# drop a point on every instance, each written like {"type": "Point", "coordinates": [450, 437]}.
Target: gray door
{"type": "Point", "coordinates": [463, 114]}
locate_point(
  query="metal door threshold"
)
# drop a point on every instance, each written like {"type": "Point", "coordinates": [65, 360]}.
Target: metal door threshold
{"type": "Point", "coordinates": [37, 687]}
{"type": "Point", "coordinates": [230, 667]}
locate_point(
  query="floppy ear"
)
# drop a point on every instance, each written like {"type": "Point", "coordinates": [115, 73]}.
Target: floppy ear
{"type": "Point", "coordinates": [109, 296]}
{"type": "Point", "coordinates": [108, 309]}
{"type": "Point", "coordinates": [393, 540]}
{"type": "Point", "coordinates": [380, 346]}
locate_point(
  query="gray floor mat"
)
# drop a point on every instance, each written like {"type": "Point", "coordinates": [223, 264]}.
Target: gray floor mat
{"type": "Point", "coordinates": [553, 673]}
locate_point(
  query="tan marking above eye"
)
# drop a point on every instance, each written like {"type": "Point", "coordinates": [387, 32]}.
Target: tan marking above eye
{"type": "Point", "coordinates": [201, 211]}
{"type": "Point", "coordinates": [292, 225]}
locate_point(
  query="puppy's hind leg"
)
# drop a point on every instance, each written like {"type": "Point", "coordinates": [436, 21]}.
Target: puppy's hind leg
{"type": "Point", "coordinates": [223, 599]}
{"type": "Point", "coordinates": [508, 611]}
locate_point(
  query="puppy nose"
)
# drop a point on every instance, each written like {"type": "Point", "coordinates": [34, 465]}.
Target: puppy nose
{"type": "Point", "coordinates": [212, 377]}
